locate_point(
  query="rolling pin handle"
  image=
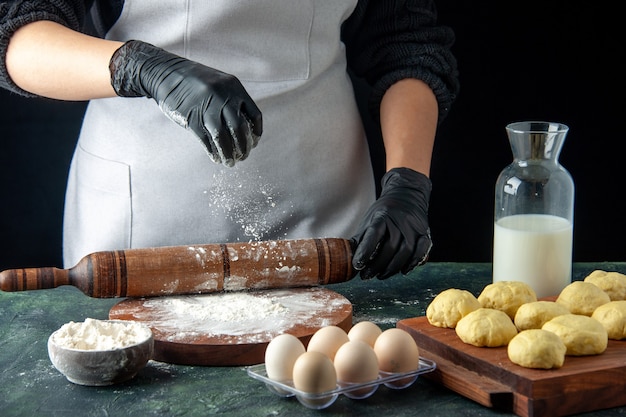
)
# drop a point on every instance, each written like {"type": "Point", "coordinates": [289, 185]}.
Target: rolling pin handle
{"type": "Point", "coordinates": [26, 279]}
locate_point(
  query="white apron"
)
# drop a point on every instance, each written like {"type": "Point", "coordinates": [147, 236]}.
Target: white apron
{"type": "Point", "coordinates": [139, 180]}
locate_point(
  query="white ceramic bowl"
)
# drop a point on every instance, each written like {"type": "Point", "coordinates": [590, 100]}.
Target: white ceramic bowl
{"type": "Point", "coordinates": [102, 367]}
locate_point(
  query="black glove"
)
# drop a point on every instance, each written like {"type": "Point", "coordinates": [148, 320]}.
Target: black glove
{"type": "Point", "coordinates": [211, 103]}
{"type": "Point", "coordinates": [394, 235]}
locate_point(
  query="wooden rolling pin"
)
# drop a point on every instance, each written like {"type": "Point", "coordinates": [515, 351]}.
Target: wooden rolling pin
{"type": "Point", "coordinates": [195, 269]}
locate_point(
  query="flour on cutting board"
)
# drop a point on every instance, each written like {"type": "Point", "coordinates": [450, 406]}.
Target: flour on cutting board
{"type": "Point", "coordinates": [228, 308]}
{"type": "Point", "coordinates": [243, 317]}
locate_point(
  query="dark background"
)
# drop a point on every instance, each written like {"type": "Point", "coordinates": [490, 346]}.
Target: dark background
{"type": "Point", "coordinates": [518, 60]}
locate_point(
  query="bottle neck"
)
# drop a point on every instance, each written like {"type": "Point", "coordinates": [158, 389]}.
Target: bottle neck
{"type": "Point", "coordinates": [536, 146]}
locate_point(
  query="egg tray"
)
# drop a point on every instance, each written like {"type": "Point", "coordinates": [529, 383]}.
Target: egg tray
{"type": "Point", "coordinates": [356, 391]}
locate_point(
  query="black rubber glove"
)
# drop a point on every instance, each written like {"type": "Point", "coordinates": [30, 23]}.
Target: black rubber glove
{"type": "Point", "coordinates": [213, 104]}
{"type": "Point", "coordinates": [394, 235]}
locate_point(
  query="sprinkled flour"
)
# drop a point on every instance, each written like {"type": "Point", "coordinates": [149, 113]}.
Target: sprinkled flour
{"type": "Point", "coordinates": [250, 206]}
{"type": "Point", "coordinates": [95, 334]}
{"type": "Point", "coordinates": [239, 317]}
{"type": "Point", "coordinates": [229, 308]}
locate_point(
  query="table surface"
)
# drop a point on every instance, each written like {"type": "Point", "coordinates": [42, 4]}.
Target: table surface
{"type": "Point", "coordinates": [31, 386]}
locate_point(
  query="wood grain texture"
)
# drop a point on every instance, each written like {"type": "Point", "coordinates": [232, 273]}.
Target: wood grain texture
{"type": "Point", "coordinates": [196, 269]}
{"type": "Point", "coordinates": [198, 341]}
{"type": "Point", "coordinates": [487, 376]}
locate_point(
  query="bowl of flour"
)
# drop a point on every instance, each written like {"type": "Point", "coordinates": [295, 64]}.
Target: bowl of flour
{"type": "Point", "coordinates": [100, 352]}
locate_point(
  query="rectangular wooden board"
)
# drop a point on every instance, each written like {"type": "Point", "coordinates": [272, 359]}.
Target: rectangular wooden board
{"type": "Point", "coordinates": [487, 376]}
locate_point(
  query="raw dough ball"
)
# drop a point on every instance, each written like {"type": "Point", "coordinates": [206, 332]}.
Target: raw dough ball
{"type": "Point", "coordinates": [582, 335]}
{"type": "Point", "coordinates": [507, 296]}
{"type": "Point", "coordinates": [612, 316]}
{"type": "Point", "coordinates": [612, 283]}
{"type": "Point", "coordinates": [449, 306]}
{"type": "Point", "coordinates": [537, 348]}
{"type": "Point", "coordinates": [535, 314]}
{"type": "Point", "coordinates": [582, 297]}
{"type": "Point", "coordinates": [486, 327]}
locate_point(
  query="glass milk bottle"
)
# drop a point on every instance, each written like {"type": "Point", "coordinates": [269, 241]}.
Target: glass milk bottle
{"type": "Point", "coordinates": [534, 211]}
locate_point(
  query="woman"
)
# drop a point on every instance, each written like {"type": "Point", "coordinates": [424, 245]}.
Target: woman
{"type": "Point", "coordinates": [263, 86]}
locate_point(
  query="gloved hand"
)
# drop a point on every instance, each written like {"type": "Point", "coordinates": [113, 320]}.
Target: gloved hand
{"type": "Point", "coordinates": [213, 104]}
{"type": "Point", "coordinates": [394, 235]}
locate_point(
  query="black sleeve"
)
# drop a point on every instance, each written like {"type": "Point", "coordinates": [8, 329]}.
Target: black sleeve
{"type": "Point", "coordinates": [390, 40]}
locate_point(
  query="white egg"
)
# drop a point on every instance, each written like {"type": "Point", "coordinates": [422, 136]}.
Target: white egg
{"type": "Point", "coordinates": [280, 356]}
{"type": "Point", "coordinates": [396, 351]}
{"type": "Point", "coordinates": [314, 373]}
{"type": "Point", "coordinates": [356, 362]}
{"type": "Point", "coordinates": [327, 340]}
{"type": "Point", "coordinates": [366, 331]}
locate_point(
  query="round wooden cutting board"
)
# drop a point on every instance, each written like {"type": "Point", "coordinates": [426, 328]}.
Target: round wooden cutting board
{"type": "Point", "coordinates": [232, 329]}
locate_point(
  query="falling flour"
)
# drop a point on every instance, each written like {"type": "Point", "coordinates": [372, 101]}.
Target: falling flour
{"type": "Point", "coordinates": [250, 205]}
{"type": "Point", "coordinates": [237, 317]}
{"type": "Point", "coordinates": [95, 334]}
